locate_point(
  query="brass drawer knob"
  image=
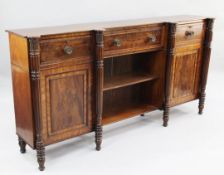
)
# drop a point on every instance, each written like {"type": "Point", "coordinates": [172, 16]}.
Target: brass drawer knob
{"type": "Point", "coordinates": [68, 50]}
{"type": "Point", "coordinates": [189, 33]}
{"type": "Point", "coordinates": [152, 38]}
{"type": "Point", "coordinates": [117, 42]}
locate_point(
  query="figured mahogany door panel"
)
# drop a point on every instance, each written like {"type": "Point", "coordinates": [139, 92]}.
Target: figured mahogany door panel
{"type": "Point", "coordinates": [185, 76]}
{"type": "Point", "coordinates": [66, 102]}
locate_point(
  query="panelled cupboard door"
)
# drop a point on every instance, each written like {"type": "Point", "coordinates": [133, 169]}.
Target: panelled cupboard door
{"type": "Point", "coordinates": [65, 102]}
{"type": "Point", "coordinates": [185, 75]}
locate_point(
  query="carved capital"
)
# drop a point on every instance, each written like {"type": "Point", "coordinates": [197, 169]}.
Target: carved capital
{"type": "Point", "coordinates": [35, 75]}
{"type": "Point", "coordinates": [34, 55]}
{"type": "Point", "coordinates": [210, 23]}
{"type": "Point", "coordinates": [171, 37]}
{"type": "Point", "coordinates": [99, 63]}
{"type": "Point", "coordinates": [172, 29]}
{"type": "Point", "coordinates": [208, 33]}
{"type": "Point", "coordinates": [99, 38]}
{"type": "Point", "coordinates": [170, 52]}
{"type": "Point", "coordinates": [33, 47]}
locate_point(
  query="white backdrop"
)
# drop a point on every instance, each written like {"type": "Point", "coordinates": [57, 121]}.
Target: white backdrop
{"type": "Point", "coordinates": [191, 145]}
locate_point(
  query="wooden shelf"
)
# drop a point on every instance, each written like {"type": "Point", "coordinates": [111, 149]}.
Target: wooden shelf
{"type": "Point", "coordinates": [121, 113]}
{"type": "Point", "coordinates": [127, 80]}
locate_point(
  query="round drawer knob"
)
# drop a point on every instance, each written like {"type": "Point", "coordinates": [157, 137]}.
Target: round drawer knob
{"type": "Point", "coordinates": [189, 33]}
{"type": "Point", "coordinates": [152, 38]}
{"type": "Point", "coordinates": [68, 50]}
{"type": "Point", "coordinates": [117, 42]}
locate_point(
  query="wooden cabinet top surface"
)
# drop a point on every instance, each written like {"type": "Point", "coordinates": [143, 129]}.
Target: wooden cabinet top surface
{"type": "Point", "coordinates": [44, 31]}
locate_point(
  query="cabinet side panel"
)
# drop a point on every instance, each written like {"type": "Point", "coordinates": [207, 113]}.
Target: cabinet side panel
{"type": "Point", "coordinates": [21, 88]}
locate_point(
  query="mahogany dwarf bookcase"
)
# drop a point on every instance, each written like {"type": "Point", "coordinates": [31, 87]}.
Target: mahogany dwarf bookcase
{"type": "Point", "coordinates": [71, 80]}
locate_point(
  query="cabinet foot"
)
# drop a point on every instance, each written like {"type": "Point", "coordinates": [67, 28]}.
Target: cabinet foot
{"type": "Point", "coordinates": [98, 137]}
{"type": "Point", "coordinates": [201, 103]}
{"type": "Point", "coordinates": [22, 145]}
{"type": "Point", "coordinates": [98, 147]}
{"type": "Point", "coordinates": [166, 115]}
{"type": "Point", "coordinates": [165, 123]}
{"type": "Point", "coordinates": [40, 155]}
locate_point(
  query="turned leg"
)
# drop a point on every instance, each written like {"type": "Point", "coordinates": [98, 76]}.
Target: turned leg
{"type": "Point", "coordinates": [201, 103]}
{"type": "Point", "coordinates": [168, 73]}
{"type": "Point", "coordinates": [99, 88]}
{"type": "Point", "coordinates": [22, 145]}
{"type": "Point", "coordinates": [98, 137]}
{"type": "Point", "coordinates": [205, 62]}
{"type": "Point", "coordinates": [40, 155]}
{"type": "Point", "coordinates": [166, 115]}
{"type": "Point", "coordinates": [34, 54]}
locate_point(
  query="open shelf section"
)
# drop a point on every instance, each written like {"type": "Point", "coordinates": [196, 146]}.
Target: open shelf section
{"type": "Point", "coordinates": [127, 80]}
{"type": "Point", "coordinates": [133, 85]}
{"type": "Point", "coordinates": [116, 114]}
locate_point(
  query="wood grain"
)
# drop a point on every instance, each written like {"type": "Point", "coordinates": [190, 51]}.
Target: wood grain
{"type": "Point", "coordinates": [52, 50]}
{"type": "Point", "coordinates": [72, 80]}
{"type": "Point", "coordinates": [118, 114]}
{"type": "Point", "coordinates": [205, 61]}
{"type": "Point", "coordinates": [66, 102]}
{"type": "Point", "coordinates": [181, 34]}
{"type": "Point", "coordinates": [22, 89]}
{"type": "Point", "coordinates": [169, 65]}
{"type": "Point", "coordinates": [133, 40]}
{"type": "Point", "coordinates": [56, 30]}
{"type": "Point", "coordinates": [127, 80]}
{"type": "Point", "coordinates": [185, 76]}
{"type": "Point", "coordinates": [99, 87]}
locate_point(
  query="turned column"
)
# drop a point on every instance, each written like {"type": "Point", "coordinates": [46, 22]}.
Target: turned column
{"type": "Point", "coordinates": [99, 88]}
{"type": "Point", "coordinates": [169, 60]}
{"type": "Point", "coordinates": [34, 57]}
{"type": "Point", "coordinates": [205, 62]}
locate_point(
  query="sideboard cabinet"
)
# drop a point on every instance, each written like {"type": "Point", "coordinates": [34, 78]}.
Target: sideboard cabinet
{"type": "Point", "coordinates": [71, 80]}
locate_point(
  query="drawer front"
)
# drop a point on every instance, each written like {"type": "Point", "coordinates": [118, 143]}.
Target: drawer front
{"type": "Point", "coordinates": [132, 40]}
{"type": "Point", "coordinates": [189, 33]}
{"type": "Point", "coordinates": [57, 50]}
